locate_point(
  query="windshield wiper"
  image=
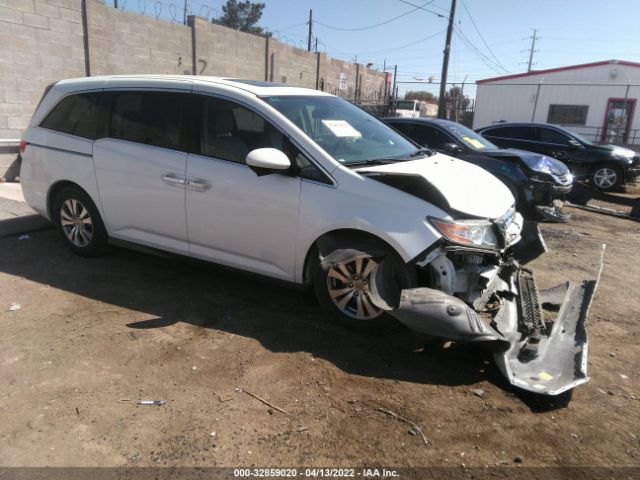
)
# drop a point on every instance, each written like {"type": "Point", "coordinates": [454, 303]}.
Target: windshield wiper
{"type": "Point", "coordinates": [372, 161]}
{"type": "Point", "coordinates": [421, 151]}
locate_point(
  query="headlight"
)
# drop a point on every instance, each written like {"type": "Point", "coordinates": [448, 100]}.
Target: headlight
{"type": "Point", "coordinates": [544, 164]}
{"type": "Point", "coordinates": [472, 233]}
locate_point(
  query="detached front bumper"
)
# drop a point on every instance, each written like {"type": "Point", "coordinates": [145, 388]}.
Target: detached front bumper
{"type": "Point", "coordinates": [539, 338]}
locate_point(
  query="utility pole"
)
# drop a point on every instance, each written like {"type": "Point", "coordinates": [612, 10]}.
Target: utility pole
{"type": "Point", "coordinates": [115, 3]}
{"type": "Point", "coordinates": [185, 11]}
{"type": "Point", "coordinates": [445, 62]}
{"type": "Point", "coordinates": [533, 46]}
{"type": "Point", "coordinates": [310, 30]}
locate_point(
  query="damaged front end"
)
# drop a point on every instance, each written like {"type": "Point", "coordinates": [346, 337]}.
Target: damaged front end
{"type": "Point", "coordinates": [466, 293]}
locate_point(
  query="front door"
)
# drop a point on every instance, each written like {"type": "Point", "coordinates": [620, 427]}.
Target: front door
{"type": "Point", "coordinates": [140, 168]}
{"type": "Point", "coordinates": [234, 216]}
{"type": "Point", "coordinates": [617, 120]}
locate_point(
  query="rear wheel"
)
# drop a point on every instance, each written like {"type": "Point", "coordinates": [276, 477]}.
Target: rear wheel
{"type": "Point", "coordinates": [345, 290]}
{"type": "Point", "coordinates": [77, 220]}
{"type": "Point", "coordinates": [606, 177]}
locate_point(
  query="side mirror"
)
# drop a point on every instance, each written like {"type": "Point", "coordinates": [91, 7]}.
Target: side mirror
{"type": "Point", "coordinates": [264, 161]}
{"type": "Point", "coordinates": [574, 144]}
{"type": "Point", "coordinates": [452, 148]}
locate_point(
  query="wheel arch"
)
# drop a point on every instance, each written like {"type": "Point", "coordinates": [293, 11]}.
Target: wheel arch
{"type": "Point", "coordinates": [56, 188]}
{"type": "Point", "coordinates": [342, 238]}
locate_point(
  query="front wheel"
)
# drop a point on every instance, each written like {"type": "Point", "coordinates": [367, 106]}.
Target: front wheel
{"type": "Point", "coordinates": [79, 223]}
{"type": "Point", "coordinates": [345, 290]}
{"type": "Point", "coordinates": [606, 177]}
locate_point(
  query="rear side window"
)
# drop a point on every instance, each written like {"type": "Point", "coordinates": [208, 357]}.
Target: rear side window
{"type": "Point", "coordinates": [75, 115]}
{"type": "Point", "coordinates": [517, 133]}
{"type": "Point", "coordinates": [151, 118]}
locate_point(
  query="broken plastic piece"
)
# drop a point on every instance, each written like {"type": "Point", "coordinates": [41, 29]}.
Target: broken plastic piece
{"type": "Point", "coordinates": [151, 402]}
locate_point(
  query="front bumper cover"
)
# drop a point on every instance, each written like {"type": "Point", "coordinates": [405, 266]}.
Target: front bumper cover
{"type": "Point", "coordinates": [534, 351]}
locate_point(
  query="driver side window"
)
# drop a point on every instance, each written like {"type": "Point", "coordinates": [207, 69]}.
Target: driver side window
{"type": "Point", "coordinates": [431, 137]}
{"type": "Point", "coordinates": [552, 136]}
{"type": "Point", "coordinates": [230, 131]}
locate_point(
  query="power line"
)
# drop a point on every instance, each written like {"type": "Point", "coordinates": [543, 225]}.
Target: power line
{"type": "Point", "coordinates": [425, 9]}
{"type": "Point", "coordinates": [485, 59]}
{"type": "Point", "coordinates": [473, 22]}
{"type": "Point", "coordinates": [358, 29]}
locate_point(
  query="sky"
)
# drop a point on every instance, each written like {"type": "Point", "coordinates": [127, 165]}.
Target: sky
{"type": "Point", "coordinates": [491, 37]}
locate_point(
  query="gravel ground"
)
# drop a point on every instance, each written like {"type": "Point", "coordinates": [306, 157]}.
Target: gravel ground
{"type": "Point", "coordinates": [94, 336]}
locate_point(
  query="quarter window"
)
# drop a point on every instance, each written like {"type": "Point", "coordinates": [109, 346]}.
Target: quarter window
{"type": "Point", "coordinates": [75, 115]}
{"type": "Point", "coordinates": [151, 118]}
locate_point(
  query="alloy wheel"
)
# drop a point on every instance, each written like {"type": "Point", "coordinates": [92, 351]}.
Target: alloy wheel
{"type": "Point", "coordinates": [349, 288]}
{"type": "Point", "coordinates": [76, 222]}
{"type": "Point", "coordinates": [605, 177]}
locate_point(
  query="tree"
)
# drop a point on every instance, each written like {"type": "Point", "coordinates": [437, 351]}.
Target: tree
{"type": "Point", "coordinates": [455, 98]}
{"type": "Point", "coordinates": [420, 95]}
{"type": "Point", "coordinates": [242, 16]}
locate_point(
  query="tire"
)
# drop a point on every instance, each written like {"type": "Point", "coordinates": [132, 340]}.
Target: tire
{"type": "Point", "coordinates": [78, 222]}
{"type": "Point", "coordinates": [606, 177]}
{"type": "Point", "coordinates": [343, 291]}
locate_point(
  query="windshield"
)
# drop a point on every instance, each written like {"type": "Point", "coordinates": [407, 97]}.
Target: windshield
{"type": "Point", "coordinates": [344, 131]}
{"type": "Point", "coordinates": [470, 138]}
{"type": "Point", "coordinates": [406, 105]}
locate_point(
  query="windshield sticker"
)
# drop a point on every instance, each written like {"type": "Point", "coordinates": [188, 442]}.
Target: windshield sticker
{"type": "Point", "coordinates": [473, 142]}
{"type": "Point", "coordinates": [341, 128]}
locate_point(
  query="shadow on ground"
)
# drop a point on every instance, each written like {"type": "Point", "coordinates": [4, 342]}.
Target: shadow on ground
{"type": "Point", "coordinates": [280, 318]}
{"type": "Point", "coordinates": [625, 202]}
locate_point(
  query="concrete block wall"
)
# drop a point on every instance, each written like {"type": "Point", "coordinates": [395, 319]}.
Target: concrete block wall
{"type": "Point", "coordinates": [43, 41]}
{"type": "Point", "coordinates": [122, 42]}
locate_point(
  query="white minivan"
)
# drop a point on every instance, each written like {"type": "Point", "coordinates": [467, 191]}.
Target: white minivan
{"type": "Point", "coordinates": [302, 186]}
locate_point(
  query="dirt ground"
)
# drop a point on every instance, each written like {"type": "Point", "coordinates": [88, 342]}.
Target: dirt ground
{"type": "Point", "coordinates": [94, 336]}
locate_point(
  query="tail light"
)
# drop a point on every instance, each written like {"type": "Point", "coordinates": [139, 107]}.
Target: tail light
{"type": "Point", "coordinates": [23, 145]}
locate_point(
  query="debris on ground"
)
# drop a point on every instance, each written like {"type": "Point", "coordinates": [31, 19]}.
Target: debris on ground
{"type": "Point", "coordinates": [623, 376]}
{"type": "Point", "coordinates": [24, 237]}
{"type": "Point", "coordinates": [151, 402]}
{"type": "Point", "coordinates": [402, 419]}
{"type": "Point", "coordinates": [225, 397]}
{"type": "Point", "coordinates": [132, 336]}
{"type": "Point", "coordinates": [478, 392]}
{"type": "Point", "coordinates": [238, 389]}
{"type": "Point", "coordinates": [518, 459]}
{"type": "Point", "coordinates": [612, 354]}
{"type": "Point", "coordinates": [14, 307]}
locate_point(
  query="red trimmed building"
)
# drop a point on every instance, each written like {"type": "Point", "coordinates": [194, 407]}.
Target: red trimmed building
{"type": "Point", "coordinates": [598, 100]}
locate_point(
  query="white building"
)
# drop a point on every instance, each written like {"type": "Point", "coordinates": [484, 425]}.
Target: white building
{"type": "Point", "coordinates": [597, 99]}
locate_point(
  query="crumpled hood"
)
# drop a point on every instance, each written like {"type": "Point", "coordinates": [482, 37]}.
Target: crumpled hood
{"type": "Point", "coordinates": [530, 159]}
{"type": "Point", "coordinates": [466, 187]}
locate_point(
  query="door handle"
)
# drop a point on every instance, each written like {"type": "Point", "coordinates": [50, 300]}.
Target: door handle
{"type": "Point", "coordinates": [173, 179]}
{"type": "Point", "coordinates": [198, 184]}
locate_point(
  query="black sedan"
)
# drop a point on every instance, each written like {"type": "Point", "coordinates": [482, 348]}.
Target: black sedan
{"type": "Point", "coordinates": [607, 167]}
{"type": "Point", "coordinates": [537, 182]}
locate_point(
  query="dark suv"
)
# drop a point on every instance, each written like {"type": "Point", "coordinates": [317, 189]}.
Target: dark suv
{"type": "Point", "coordinates": [606, 166]}
{"type": "Point", "coordinates": [537, 182]}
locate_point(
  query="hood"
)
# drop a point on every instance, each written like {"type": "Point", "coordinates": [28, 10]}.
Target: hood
{"type": "Point", "coordinates": [534, 161]}
{"type": "Point", "coordinates": [617, 150]}
{"type": "Point", "coordinates": [467, 188]}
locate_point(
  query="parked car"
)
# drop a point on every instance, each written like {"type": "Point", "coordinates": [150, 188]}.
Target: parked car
{"type": "Point", "coordinates": [607, 167]}
{"type": "Point", "coordinates": [304, 187]}
{"type": "Point", "coordinates": [538, 182]}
